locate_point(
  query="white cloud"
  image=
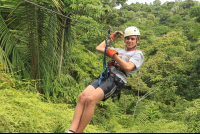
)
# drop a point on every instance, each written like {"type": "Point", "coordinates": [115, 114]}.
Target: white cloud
{"type": "Point", "coordinates": [148, 1]}
{"type": "Point", "coordinates": [151, 1]}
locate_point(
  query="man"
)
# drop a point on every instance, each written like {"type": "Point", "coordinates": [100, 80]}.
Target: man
{"type": "Point", "coordinates": [129, 60]}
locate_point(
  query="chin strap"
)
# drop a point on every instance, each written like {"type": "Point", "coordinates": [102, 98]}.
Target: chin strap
{"type": "Point", "coordinates": [136, 41]}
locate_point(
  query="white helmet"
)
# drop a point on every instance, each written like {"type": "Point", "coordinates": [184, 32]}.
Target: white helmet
{"type": "Point", "coordinates": [131, 31]}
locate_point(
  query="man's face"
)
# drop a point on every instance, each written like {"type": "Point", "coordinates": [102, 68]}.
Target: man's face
{"type": "Point", "coordinates": [130, 41]}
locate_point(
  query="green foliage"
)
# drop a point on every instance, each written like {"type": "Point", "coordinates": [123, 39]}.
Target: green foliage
{"type": "Point", "coordinates": [86, 35]}
{"type": "Point", "coordinates": [119, 17]}
{"type": "Point", "coordinates": [83, 69]}
{"type": "Point", "coordinates": [84, 7]}
{"type": "Point", "coordinates": [164, 16]}
{"type": "Point", "coordinates": [195, 33]}
{"type": "Point", "coordinates": [156, 5]}
{"type": "Point", "coordinates": [23, 112]}
{"type": "Point", "coordinates": [43, 52]}
{"type": "Point", "coordinates": [195, 13]}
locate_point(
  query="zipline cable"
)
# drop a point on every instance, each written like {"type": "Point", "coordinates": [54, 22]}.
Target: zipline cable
{"type": "Point", "coordinates": [149, 93]}
{"type": "Point", "coordinates": [63, 15]}
{"type": "Point", "coordinates": [146, 95]}
{"type": "Point", "coordinates": [72, 18]}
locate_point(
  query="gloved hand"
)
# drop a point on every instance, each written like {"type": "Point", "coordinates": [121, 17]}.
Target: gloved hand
{"type": "Point", "coordinates": [110, 51]}
{"type": "Point", "coordinates": [116, 34]}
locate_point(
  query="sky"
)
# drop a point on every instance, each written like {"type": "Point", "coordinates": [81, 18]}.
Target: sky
{"type": "Point", "coordinates": [150, 1]}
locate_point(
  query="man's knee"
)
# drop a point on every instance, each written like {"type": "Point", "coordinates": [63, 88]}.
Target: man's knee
{"type": "Point", "coordinates": [82, 98]}
{"type": "Point", "coordinates": [90, 101]}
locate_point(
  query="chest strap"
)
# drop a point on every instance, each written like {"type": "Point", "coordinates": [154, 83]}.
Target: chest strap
{"type": "Point", "coordinates": [112, 62]}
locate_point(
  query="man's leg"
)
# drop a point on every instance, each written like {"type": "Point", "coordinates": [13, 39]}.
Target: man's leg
{"type": "Point", "coordinates": [80, 107]}
{"type": "Point", "coordinates": [94, 97]}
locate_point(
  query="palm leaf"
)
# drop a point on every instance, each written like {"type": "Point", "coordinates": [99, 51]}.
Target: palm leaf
{"type": "Point", "coordinates": [29, 37]}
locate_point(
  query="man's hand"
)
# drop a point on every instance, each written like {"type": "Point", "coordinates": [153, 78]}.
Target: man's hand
{"type": "Point", "coordinates": [110, 51]}
{"type": "Point", "coordinates": [116, 34]}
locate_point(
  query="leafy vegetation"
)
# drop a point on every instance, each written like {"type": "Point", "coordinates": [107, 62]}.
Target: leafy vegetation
{"type": "Point", "coordinates": [47, 59]}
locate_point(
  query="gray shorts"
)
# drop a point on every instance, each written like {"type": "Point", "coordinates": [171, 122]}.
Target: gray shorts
{"type": "Point", "coordinates": [107, 85]}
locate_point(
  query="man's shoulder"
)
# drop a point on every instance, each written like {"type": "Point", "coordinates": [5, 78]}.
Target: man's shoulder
{"type": "Point", "coordinates": [139, 51]}
{"type": "Point", "coordinates": [119, 49]}
{"type": "Point", "coordinates": [136, 52]}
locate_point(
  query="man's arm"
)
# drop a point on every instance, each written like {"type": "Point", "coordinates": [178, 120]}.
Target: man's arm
{"type": "Point", "coordinates": [101, 47]}
{"type": "Point", "coordinates": [114, 36]}
{"type": "Point", "coordinates": [127, 66]}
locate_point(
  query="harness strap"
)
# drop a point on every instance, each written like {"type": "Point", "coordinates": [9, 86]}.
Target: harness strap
{"type": "Point", "coordinates": [117, 67]}
{"type": "Point", "coordinates": [104, 62]}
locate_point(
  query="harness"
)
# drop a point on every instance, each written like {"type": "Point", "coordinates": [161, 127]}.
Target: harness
{"type": "Point", "coordinates": [120, 84]}
{"type": "Point", "coordinates": [112, 62]}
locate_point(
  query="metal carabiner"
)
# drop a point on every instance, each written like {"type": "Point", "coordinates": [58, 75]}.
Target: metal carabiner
{"type": "Point", "coordinates": [111, 41]}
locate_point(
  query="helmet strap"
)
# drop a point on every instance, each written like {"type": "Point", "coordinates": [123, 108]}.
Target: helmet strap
{"type": "Point", "coordinates": [136, 42]}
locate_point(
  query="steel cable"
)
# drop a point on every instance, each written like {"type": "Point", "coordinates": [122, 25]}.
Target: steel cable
{"type": "Point", "coordinates": [63, 15]}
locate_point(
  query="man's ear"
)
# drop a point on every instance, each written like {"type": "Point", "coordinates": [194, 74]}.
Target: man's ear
{"type": "Point", "coordinates": [138, 41]}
